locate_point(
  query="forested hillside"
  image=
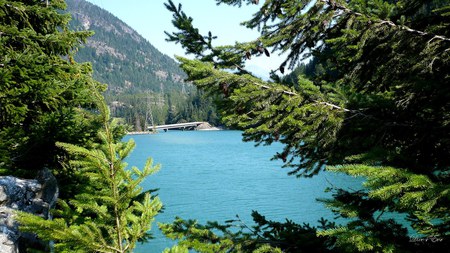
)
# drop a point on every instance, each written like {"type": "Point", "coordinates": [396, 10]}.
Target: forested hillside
{"type": "Point", "coordinates": [143, 83]}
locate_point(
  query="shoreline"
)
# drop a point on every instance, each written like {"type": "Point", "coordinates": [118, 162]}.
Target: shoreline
{"type": "Point", "coordinates": [140, 132]}
{"type": "Point", "coordinates": [150, 132]}
{"type": "Point", "coordinates": [203, 126]}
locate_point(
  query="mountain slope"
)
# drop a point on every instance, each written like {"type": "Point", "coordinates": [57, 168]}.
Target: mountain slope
{"type": "Point", "coordinates": [120, 56]}
{"type": "Point", "coordinates": [144, 85]}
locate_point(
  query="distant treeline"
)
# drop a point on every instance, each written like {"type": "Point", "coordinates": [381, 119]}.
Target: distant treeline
{"type": "Point", "coordinates": [141, 110]}
{"type": "Point", "coordinates": [144, 85]}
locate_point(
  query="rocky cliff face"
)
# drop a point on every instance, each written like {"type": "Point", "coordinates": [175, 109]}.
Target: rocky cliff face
{"type": "Point", "coordinates": [120, 56]}
{"type": "Point", "coordinates": [35, 196]}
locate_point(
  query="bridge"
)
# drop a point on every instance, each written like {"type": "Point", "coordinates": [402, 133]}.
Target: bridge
{"type": "Point", "coordinates": [179, 126]}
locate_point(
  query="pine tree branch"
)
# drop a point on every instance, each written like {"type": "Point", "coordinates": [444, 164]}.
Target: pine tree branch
{"type": "Point", "coordinates": [334, 106]}
{"type": "Point", "coordinates": [381, 214]}
{"type": "Point", "coordinates": [248, 227]}
{"type": "Point", "coordinates": [290, 93]}
{"type": "Point", "coordinates": [336, 6]}
{"type": "Point", "coordinates": [99, 246]}
{"type": "Point", "coordinates": [316, 101]}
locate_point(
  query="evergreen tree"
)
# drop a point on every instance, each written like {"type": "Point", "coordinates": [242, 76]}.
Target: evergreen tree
{"type": "Point", "coordinates": [110, 213]}
{"type": "Point", "coordinates": [48, 104]}
{"type": "Point", "coordinates": [42, 90]}
{"type": "Point", "coordinates": [377, 105]}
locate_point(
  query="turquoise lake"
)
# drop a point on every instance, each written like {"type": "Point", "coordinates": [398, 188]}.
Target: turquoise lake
{"type": "Point", "coordinates": [214, 176]}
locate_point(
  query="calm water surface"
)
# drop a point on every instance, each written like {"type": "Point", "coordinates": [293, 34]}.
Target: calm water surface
{"type": "Point", "coordinates": [213, 175]}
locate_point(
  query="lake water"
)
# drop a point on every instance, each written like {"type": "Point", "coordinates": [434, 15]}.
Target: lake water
{"type": "Point", "coordinates": [214, 176]}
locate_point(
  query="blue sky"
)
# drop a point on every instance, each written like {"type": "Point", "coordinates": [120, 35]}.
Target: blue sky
{"type": "Point", "coordinates": [150, 18]}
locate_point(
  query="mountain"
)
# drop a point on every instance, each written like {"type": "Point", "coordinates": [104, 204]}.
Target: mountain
{"type": "Point", "coordinates": [144, 85]}
{"type": "Point", "coordinates": [120, 56]}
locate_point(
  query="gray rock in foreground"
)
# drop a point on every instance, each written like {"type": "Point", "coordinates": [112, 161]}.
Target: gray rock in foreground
{"type": "Point", "coordinates": [35, 196]}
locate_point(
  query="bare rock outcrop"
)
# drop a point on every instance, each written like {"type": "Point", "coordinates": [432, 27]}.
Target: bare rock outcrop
{"type": "Point", "coordinates": [35, 196]}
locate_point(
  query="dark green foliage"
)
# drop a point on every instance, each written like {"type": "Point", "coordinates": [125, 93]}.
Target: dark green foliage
{"type": "Point", "coordinates": [397, 190]}
{"type": "Point", "coordinates": [260, 107]}
{"type": "Point", "coordinates": [48, 108]}
{"type": "Point", "coordinates": [231, 57]}
{"type": "Point", "coordinates": [198, 107]}
{"type": "Point", "coordinates": [173, 107]}
{"type": "Point", "coordinates": [237, 2]}
{"type": "Point", "coordinates": [109, 212]}
{"type": "Point", "coordinates": [373, 102]}
{"type": "Point", "coordinates": [42, 89]}
{"type": "Point", "coordinates": [236, 236]}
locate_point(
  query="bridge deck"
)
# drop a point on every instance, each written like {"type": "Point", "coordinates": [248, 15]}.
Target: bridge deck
{"type": "Point", "coordinates": [177, 126]}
